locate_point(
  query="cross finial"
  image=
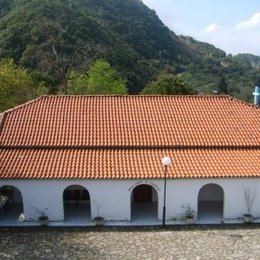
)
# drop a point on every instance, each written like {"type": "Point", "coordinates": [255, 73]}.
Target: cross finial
{"type": "Point", "coordinates": [257, 96]}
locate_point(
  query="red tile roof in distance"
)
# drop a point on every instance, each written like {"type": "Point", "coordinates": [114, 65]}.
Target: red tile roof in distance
{"type": "Point", "coordinates": [125, 137]}
{"type": "Point", "coordinates": [132, 121]}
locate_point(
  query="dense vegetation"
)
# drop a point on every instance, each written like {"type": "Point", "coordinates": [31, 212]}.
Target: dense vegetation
{"type": "Point", "coordinates": [168, 84]}
{"type": "Point", "coordinates": [101, 78]}
{"type": "Point", "coordinates": [56, 41]}
{"type": "Point", "coordinates": [16, 85]}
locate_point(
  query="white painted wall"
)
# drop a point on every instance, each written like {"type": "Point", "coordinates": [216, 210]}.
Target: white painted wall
{"type": "Point", "coordinates": [181, 192]}
{"type": "Point", "coordinates": [115, 196]}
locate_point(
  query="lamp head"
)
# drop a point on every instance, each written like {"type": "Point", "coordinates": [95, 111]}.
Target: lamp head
{"type": "Point", "coordinates": [166, 161]}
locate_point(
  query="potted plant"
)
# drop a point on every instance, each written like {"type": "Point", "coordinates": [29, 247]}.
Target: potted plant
{"type": "Point", "coordinates": [249, 199]}
{"type": "Point", "coordinates": [247, 218]}
{"type": "Point", "coordinates": [43, 218]}
{"type": "Point", "coordinates": [189, 214]}
{"type": "Point", "coordinates": [99, 221]}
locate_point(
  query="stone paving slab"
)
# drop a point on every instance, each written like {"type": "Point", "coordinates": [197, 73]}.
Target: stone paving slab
{"type": "Point", "coordinates": [187, 242]}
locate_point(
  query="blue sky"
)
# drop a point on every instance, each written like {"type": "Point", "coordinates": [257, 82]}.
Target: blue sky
{"type": "Point", "coordinates": [231, 25]}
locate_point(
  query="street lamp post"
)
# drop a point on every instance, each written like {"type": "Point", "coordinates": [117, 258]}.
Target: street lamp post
{"type": "Point", "coordinates": [166, 161]}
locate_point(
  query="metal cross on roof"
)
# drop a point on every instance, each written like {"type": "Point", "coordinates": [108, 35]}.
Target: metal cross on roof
{"type": "Point", "coordinates": [257, 96]}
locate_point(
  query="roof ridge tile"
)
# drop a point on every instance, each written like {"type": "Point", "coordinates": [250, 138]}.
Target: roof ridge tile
{"type": "Point", "coordinates": [23, 105]}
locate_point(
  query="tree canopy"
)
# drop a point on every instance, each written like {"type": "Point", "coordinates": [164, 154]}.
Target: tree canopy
{"type": "Point", "coordinates": [222, 86]}
{"type": "Point", "coordinates": [101, 78]}
{"type": "Point", "coordinates": [168, 84]}
{"type": "Point", "coordinates": [16, 85]}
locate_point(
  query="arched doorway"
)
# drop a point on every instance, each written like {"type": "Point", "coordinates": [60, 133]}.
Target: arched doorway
{"type": "Point", "coordinates": [144, 204]}
{"type": "Point", "coordinates": [210, 203]}
{"type": "Point", "coordinates": [11, 204]}
{"type": "Point", "coordinates": [76, 202]}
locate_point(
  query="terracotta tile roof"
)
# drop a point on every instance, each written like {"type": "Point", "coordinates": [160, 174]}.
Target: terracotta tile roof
{"type": "Point", "coordinates": [125, 137]}
{"type": "Point", "coordinates": [127, 163]}
{"type": "Point", "coordinates": [132, 121]}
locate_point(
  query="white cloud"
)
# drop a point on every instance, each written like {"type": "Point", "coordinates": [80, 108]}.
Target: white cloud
{"type": "Point", "coordinates": [231, 41]}
{"type": "Point", "coordinates": [212, 28]}
{"type": "Point", "coordinates": [252, 22]}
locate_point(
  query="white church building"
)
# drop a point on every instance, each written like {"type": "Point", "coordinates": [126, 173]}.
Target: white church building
{"type": "Point", "coordinates": [74, 158]}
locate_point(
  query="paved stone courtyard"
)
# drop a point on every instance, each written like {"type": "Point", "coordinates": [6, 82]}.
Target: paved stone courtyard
{"type": "Point", "coordinates": [192, 242]}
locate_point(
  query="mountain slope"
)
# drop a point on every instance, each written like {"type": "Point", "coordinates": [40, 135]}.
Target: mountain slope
{"type": "Point", "coordinates": [133, 38]}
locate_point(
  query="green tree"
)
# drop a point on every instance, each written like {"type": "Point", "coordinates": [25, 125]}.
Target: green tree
{"type": "Point", "coordinates": [257, 82]}
{"type": "Point", "coordinates": [104, 79]}
{"type": "Point", "coordinates": [77, 84]}
{"type": "Point", "coordinates": [16, 85]}
{"type": "Point", "coordinates": [168, 84]}
{"type": "Point", "coordinates": [222, 86]}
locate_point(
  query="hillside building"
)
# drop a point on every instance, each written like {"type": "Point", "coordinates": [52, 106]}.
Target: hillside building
{"type": "Point", "coordinates": [78, 157]}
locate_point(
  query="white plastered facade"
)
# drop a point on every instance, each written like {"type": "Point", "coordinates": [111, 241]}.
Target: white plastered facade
{"type": "Point", "coordinates": [115, 196]}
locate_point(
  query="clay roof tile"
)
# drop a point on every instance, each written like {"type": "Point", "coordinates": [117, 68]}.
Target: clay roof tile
{"type": "Point", "coordinates": [132, 121]}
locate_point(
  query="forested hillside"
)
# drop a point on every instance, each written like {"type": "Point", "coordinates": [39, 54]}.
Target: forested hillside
{"type": "Point", "coordinates": [57, 40]}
